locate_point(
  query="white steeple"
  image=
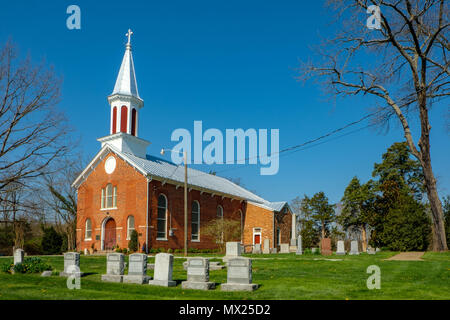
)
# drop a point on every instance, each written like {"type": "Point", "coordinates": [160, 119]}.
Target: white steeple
{"type": "Point", "coordinates": [126, 80]}
{"type": "Point", "coordinates": [125, 104]}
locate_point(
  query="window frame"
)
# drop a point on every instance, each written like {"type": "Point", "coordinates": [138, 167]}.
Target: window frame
{"type": "Point", "coordinates": [128, 226]}
{"type": "Point", "coordinates": [105, 197]}
{"type": "Point", "coordinates": [165, 219]}
{"type": "Point", "coordinates": [86, 238]}
{"type": "Point", "coordinates": [198, 221]}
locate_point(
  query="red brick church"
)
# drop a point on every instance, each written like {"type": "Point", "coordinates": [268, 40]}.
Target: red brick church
{"type": "Point", "coordinates": [124, 189]}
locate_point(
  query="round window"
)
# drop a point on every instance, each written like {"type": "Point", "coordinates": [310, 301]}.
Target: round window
{"type": "Point", "coordinates": [110, 165]}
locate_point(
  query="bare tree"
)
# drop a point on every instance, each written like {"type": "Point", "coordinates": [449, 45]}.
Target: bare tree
{"type": "Point", "coordinates": [403, 65]}
{"type": "Point", "coordinates": [33, 133]}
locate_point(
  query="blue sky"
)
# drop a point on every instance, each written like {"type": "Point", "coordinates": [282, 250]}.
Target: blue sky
{"type": "Point", "coordinates": [230, 64]}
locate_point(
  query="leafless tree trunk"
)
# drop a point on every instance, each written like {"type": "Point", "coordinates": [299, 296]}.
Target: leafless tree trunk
{"type": "Point", "coordinates": [404, 65]}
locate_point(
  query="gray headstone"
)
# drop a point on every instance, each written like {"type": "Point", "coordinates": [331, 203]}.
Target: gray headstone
{"type": "Point", "coordinates": [340, 247]}
{"type": "Point", "coordinates": [115, 266]}
{"type": "Point", "coordinates": [371, 250]}
{"type": "Point", "coordinates": [293, 242]}
{"type": "Point", "coordinates": [71, 259]}
{"type": "Point", "coordinates": [284, 248]}
{"type": "Point", "coordinates": [314, 250]}
{"type": "Point", "coordinates": [47, 273]}
{"type": "Point", "coordinates": [198, 275]}
{"type": "Point", "coordinates": [18, 256]}
{"type": "Point", "coordinates": [163, 270]}
{"type": "Point", "coordinates": [266, 247]}
{"type": "Point", "coordinates": [257, 248]}
{"type": "Point", "coordinates": [274, 250]}
{"type": "Point", "coordinates": [115, 263]}
{"type": "Point", "coordinates": [354, 248]}
{"type": "Point", "coordinates": [239, 275]}
{"type": "Point", "coordinates": [299, 246]}
{"type": "Point", "coordinates": [233, 249]}
{"type": "Point", "coordinates": [137, 264]}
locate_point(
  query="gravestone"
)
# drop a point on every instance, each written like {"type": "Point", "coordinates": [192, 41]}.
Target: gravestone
{"type": "Point", "coordinates": [293, 242]}
{"type": "Point", "coordinates": [325, 247]}
{"type": "Point", "coordinates": [233, 249]}
{"type": "Point", "coordinates": [163, 271]}
{"type": "Point", "coordinates": [340, 247]}
{"type": "Point", "coordinates": [257, 248]}
{"type": "Point", "coordinates": [86, 251]}
{"type": "Point", "coordinates": [239, 275]}
{"type": "Point", "coordinates": [150, 266]}
{"type": "Point", "coordinates": [266, 247]}
{"type": "Point", "coordinates": [215, 265]}
{"type": "Point", "coordinates": [371, 250]}
{"type": "Point", "coordinates": [314, 250]}
{"type": "Point", "coordinates": [18, 256]}
{"type": "Point", "coordinates": [284, 248]}
{"type": "Point", "coordinates": [46, 273]}
{"type": "Point", "coordinates": [354, 248]}
{"type": "Point", "coordinates": [377, 250]}
{"type": "Point", "coordinates": [115, 266]}
{"type": "Point", "coordinates": [198, 275]}
{"type": "Point", "coordinates": [274, 250]}
{"type": "Point", "coordinates": [137, 269]}
{"type": "Point", "coordinates": [299, 246]}
{"type": "Point", "coordinates": [71, 262]}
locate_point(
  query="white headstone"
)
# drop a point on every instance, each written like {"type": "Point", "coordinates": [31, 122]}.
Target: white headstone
{"type": "Point", "coordinates": [299, 246]}
{"type": "Point", "coordinates": [163, 271]}
{"type": "Point", "coordinates": [257, 248]}
{"type": "Point", "coordinates": [233, 249]}
{"type": "Point", "coordinates": [18, 256]}
{"type": "Point", "coordinates": [266, 247]}
{"type": "Point", "coordinates": [284, 248]}
{"type": "Point", "coordinates": [239, 275]}
{"type": "Point", "coordinates": [340, 247]}
{"type": "Point", "coordinates": [354, 248]}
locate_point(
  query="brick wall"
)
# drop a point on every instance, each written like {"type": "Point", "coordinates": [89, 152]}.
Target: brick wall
{"type": "Point", "coordinates": [257, 217]}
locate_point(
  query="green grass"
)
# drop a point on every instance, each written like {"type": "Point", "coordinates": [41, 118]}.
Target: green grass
{"type": "Point", "coordinates": [280, 277]}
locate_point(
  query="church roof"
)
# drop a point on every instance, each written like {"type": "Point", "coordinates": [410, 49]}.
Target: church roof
{"type": "Point", "coordinates": [166, 171]}
{"type": "Point", "coordinates": [126, 80]}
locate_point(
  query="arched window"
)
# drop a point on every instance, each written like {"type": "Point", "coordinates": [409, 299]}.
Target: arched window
{"type": "Point", "coordinates": [109, 197]}
{"type": "Point", "coordinates": [195, 221]}
{"type": "Point", "coordinates": [162, 217]}
{"type": "Point", "coordinates": [88, 232]}
{"type": "Point", "coordinates": [130, 226]}
{"type": "Point", "coordinates": [114, 120]}
{"type": "Point", "coordinates": [220, 212]}
{"type": "Point", "coordinates": [123, 119]}
{"type": "Point", "coordinates": [133, 122]}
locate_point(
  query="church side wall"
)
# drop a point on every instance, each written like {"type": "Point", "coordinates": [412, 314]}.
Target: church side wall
{"type": "Point", "coordinates": [257, 217]}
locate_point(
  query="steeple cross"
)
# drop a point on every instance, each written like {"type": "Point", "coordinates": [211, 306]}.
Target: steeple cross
{"type": "Point", "coordinates": [129, 33]}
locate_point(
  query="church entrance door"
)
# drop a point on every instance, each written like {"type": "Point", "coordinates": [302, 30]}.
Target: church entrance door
{"type": "Point", "coordinates": [110, 234]}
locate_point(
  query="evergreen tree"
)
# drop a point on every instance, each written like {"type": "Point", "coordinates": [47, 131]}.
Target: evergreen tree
{"type": "Point", "coordinates": [133, 243]}
{"type": "Point", "coordinates": [320, 211]}
{"type": "Point", "coordinates": [51, 241]}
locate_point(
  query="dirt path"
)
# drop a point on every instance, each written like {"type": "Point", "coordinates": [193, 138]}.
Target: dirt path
{"type": "Point", "coordinates": [408, 256]}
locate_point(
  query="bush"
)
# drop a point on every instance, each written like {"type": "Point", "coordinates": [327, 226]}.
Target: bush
{"type": "Point", "coordinates": [33, 247]}
{"type": "Point", "coordinates": [133, 244]}
{"type": "Point", "coordinates": [51, 241]}
{"type": "Point", "coordinates": [406, 227]}
{"type": "Point", "coordinates": [6, 267]}
{"type": "Point", "coordinates": [29, 265]}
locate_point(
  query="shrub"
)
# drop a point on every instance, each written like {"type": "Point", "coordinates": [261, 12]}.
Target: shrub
{"type": "Point", "coordinates": [170, 250]}
{"type": "Point", "coordinates": [31, 265]}
{"type": "Point", "coordinates": [133, 244]}
{"type": "Point", "coordinates": [223, 231]}
{"type": "Point", "coordinates": [33, 247]}
{"type": "Point", "coordinates": [51, 241]}
{"type": "Point", "coordinates": [6, 266]}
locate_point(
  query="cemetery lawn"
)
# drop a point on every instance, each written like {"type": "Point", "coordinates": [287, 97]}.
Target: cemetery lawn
{"type": "Point", "coordinates": [280, 276]}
